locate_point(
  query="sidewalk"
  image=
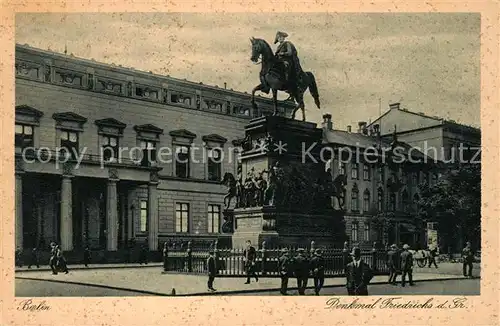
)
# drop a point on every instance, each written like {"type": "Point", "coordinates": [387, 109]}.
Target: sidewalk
{"type": "Point", "coordinates": [151, 281]}
{"type": "Point", "coordinates": [91, 266]}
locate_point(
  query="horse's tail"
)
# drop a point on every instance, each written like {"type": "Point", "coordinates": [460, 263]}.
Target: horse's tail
{"type": "Point", "coordinates": [313, 88]}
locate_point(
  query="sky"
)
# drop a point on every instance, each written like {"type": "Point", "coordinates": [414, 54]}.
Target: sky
{"type": "Point", "coordinates": [428, 62]}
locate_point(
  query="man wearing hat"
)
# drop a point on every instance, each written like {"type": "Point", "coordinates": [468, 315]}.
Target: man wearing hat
{"type": "Point", "coordinates": [212, 270]}
{"type": "Point", "coordinates": [287, 52]}
{"type": "Point", "coordinates": [392, 263]}
{"type": "Point", "coordinates": [406, 265]}
{"type": "Point", "coordinates": [285, 263]}
{"type": "Point", "coordinates": [358, 274]}
{"type": "Point", "coordinates": [301, 271]}
{"type": "Point", "coordinates": [318, 270]}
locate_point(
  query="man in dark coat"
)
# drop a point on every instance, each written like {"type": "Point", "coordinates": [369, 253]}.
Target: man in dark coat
{"type": "Point", "coordinates": [35, 258]}
{"type": "Point", "coordinates": [212, 271]}
{"type": "Point", "coordinates": [86, 256]}
{"type": "Point", "coordinates": [302, 266]}
{"type": "Point", "coordinates": [358, 274]}
{"type": "Point", "coordinates": [406, 265]}
{"type": "Point", "coordinates": [144, 253]}
{"type": "Point", "coordinates": [53, 258]}
{"type": "Point", "coordinates": [467, 260]}
{"type": "Point", "coordinates": [165, 256]}
{"type": "Point", "coordinates": [432, 257]}
{"type": "Point", "coordinates": [249, 257]}
{"type": "Point", "coordinates": [285, 269]}
{"type": "Point", "coordinates": [392, 264]}
{"type": "Point", "coordinates": [318, 270]}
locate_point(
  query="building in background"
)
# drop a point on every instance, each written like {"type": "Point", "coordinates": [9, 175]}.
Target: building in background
{"type": "Point", "coordinates": [85, 106]}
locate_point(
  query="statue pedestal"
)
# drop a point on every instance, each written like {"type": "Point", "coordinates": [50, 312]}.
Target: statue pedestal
{"type": "Point", "coordinates": [296, 207]}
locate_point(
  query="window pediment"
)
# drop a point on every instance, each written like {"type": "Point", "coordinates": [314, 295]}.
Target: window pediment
{"type": "Point", "coordinates": [110, 126]}
{"type": "Point", "coordinates": [214, 138]}
{"type": "Point", "coordinates": [69, 120]}
{"type": "Point", "coordinates": [148, 128]}
{"type": "Point", "coordinates": [182, 133]}
{"type": "Point", "coordinates": [28, 114]}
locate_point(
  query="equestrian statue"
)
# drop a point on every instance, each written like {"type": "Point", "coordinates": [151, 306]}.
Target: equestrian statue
{"type": "Point", "coordinates": [281, 71]}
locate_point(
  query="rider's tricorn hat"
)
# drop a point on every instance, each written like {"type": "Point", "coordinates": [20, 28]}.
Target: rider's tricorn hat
{"type": "Point", "coordinates": [278, 34]}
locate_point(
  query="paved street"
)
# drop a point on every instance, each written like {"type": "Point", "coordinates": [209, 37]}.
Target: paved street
{"type": "Point", "coordinates": [150, 281]}
{"type": "Point", "coordinates": [449, 287]}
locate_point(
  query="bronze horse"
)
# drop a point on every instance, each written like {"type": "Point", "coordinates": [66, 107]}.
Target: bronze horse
{"type": "Point", "coordinates": [272, 77]}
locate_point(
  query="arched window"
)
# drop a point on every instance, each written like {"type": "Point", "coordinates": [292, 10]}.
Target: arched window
{"type": "Point", "coordinates": [355, 200]}
{"type": "Point", "coordinates": [366, 200]}
{"type": "Point", "coordinates": [380, 200]}
{"type": "Point", "coordinates": [366, 172]}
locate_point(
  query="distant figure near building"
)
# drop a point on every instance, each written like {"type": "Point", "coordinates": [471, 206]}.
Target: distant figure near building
{"type": "Point", "coordinates": [249, 257]}
{"type": "Point", "coordinates": [19, 260]}
{"type": "Point", "coordinates": [358, 274]}
{"type": "Point", "coordinates": [467, 260]}
{"type": "Point", "coordinates": [165, 256]}
{"type": "Point", "coordinates": [318, 270]}
{"type": "Point", "coordinates": [53, 258]}
{"type": "Point", "coordinates": [61, 261]}
{"type": "Point", "coordinates": [432, 257]}
{"type": "Point", "coordinates": [34, 259]}
{"type": "Point", "coordinates": [212, 271]}
{"type": "Point", "coordinates": [392, 264]}
{"type": "Point", "coordinates": [86, 256]}
{"type": "Point", "coordinates": [285, 265]}
{"type": "Point", "coordinates": [301, 271]}
{"type": "Point", "coordinates": [406, 265]}
{"type": "Point", "coordinates": [143, 258]}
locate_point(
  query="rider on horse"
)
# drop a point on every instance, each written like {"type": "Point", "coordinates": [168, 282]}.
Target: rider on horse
{"type": "Point", "coordinates": [287, 52]}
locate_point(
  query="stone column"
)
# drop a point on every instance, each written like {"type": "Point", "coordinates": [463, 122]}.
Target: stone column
{"type": "Point", "coordinates": [153, 216]}
{"type": "Point", "coordinates": [19, 210]}
{"type": "Point", "coordinates": [112, 216]}
{"type": "Point", "coordinates": [66, 214]}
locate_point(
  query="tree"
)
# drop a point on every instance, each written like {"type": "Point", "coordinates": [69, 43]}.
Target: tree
{"type": "Point", "coordinates": [455, 204]}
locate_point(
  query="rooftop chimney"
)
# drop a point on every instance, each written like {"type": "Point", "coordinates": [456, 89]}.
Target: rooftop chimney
{"type": "Point", "coordinates": [362, 126]}
{"type": "Point", "coordinates": [349, 128]}
{"type": "Point", "coordinates": [394, 105]}
{"type": "Point", "coordinates": [327, 122]}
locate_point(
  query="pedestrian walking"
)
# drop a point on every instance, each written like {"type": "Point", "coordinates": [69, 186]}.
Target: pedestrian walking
{"type": "Point", "coordinates": [34, 258]}
{"type": "Point", "coordinates": [285, 269]}
{"type": "Point", "coordinates": [165, 256]}
{"type": "Point", "coordinates": [143, 258]}
{"type": "Point", "coordinates": [249, 257]}
{"type": "Point", "coordinates": [86, 256]}
{"type": "Point", "coordinates": [392, 264]}
{"type": "Point", "coordinates": [432, 257]}
{"type": "Point", "coordinates": [53, 257]}
{"type": "Point", "coordinates": [212, 271]}
{"type": "Point", "coordinates": [19, 257]}
{"type": "Point", "coordinates": [61, 261]}
{"type": "Point", "coordinates": [358, 274]}
{"type": "Point", "coordinates": [318, 270]}
{"type": "Point", "coordinates": [302, 267]}
{"type": "Point", "coordinates": [467, 260]}
{"type": "Point", "coordinates": [406, 266]}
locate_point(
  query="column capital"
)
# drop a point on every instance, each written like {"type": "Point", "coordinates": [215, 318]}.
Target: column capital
{"type": "Point", "coordinates": [112, 180]}
{"type": "Point", "coordinates": [67, 176]}
{"type": "Point", "coordinates": [153, 184]}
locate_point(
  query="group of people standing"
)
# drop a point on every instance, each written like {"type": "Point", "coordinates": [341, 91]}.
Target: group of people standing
{"type": "Point", "coordinates": [400, 262]}
{"type": "Point", "coordinates": [57, 261]}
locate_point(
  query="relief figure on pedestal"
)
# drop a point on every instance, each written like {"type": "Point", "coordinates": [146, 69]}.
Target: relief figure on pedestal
{"type": "Point", "coordinates": [230, 182]}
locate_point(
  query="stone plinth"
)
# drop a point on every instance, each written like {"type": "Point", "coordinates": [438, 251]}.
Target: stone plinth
{"type": "Point", "coordinates": [286, 153]}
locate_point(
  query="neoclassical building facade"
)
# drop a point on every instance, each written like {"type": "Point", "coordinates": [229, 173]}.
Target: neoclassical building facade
{"type": "Point", "coordinates": [112, 120]}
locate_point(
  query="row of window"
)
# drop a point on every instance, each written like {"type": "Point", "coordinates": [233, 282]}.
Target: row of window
{"type": "Point", "coordinates": [405, 200]}
{"type": "Point", "coordinates": [182, 218]}
{"type": "Point", "coordinates": [110, 149]}
{"type": "Point", "coordinates": [415, 176]}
